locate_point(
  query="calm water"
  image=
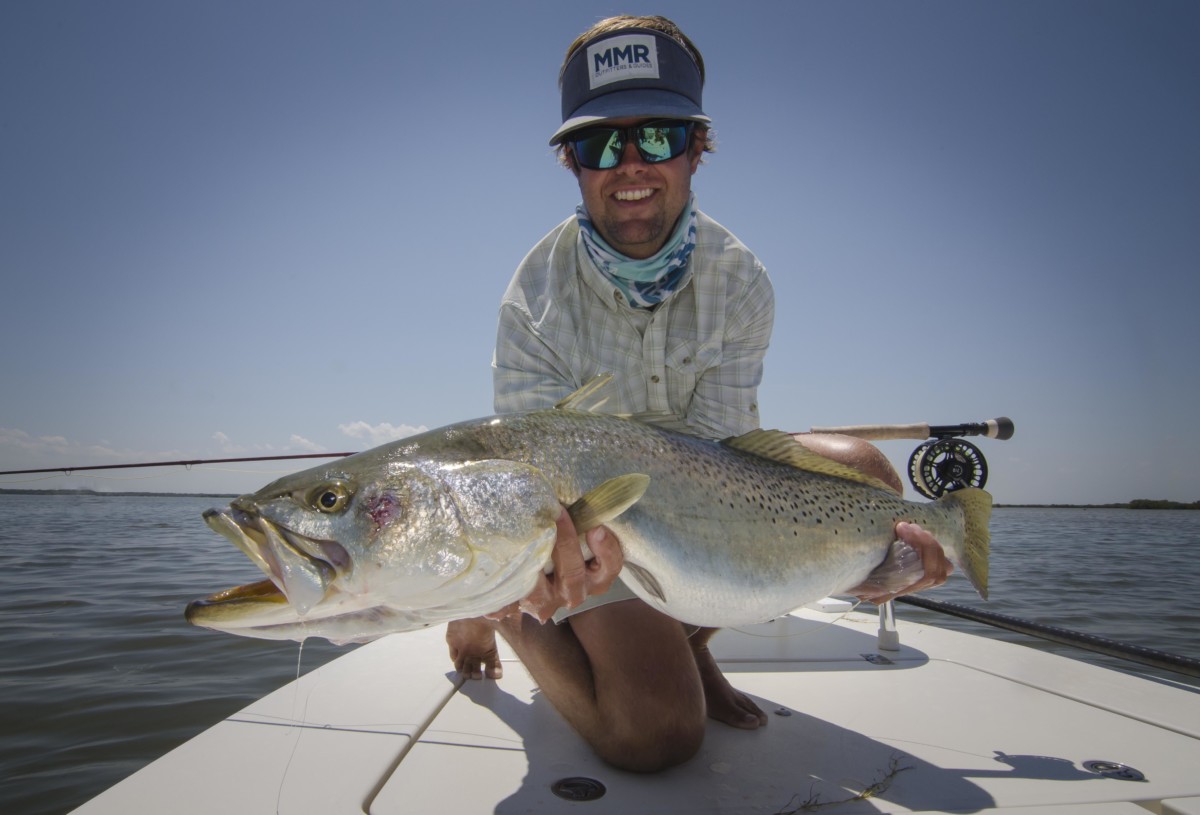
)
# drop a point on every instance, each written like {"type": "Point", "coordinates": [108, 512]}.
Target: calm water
{"type": "Point", "coordinates": [99, 673]}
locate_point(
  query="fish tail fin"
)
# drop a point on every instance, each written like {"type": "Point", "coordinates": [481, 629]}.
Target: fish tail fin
{"type": "Point", "coordinates": [976, 506]}
{"type": "Point", "coordinates": [607, 501]}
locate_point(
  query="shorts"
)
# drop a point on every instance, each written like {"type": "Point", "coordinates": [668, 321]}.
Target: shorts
{"type": "Point", "coordinates": [616, 593]}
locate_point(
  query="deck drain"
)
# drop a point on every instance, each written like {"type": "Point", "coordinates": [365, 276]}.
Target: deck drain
{"type": "Point", "coordinates": [578, 788]}
{"type": "Point", "coordinates": [1111, 769]}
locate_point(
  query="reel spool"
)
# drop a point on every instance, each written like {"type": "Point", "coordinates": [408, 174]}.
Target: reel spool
{"type": "Point", "coordinates": [944, 465]}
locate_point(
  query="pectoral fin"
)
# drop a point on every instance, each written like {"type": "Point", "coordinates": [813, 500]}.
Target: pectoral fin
{"type": "Point", "coordinates": [607, 501]}
{"type": "Point", "coordinates": [648, 581]}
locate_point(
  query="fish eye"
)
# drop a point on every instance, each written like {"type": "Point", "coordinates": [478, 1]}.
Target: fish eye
{"type": "Point", "coordinates": [330, 498]}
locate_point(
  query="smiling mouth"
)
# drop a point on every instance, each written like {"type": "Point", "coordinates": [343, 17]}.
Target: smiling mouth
{"type": "Point", "coordinates": [633, 195]}
{"type": "Point", "coordinates": [302, 568]}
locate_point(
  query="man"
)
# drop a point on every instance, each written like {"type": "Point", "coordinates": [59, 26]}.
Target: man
{"type": "Point", "coordinates": [642, 284]}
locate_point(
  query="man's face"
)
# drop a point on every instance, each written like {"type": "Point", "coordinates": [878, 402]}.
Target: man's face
{"type": "Point", "coordinates": [635, 205]}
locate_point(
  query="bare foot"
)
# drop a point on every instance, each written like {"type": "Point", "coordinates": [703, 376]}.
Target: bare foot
{"type": "Point", "coordinates": [724, 702]}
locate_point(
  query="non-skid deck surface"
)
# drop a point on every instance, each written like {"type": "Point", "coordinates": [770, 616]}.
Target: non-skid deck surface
{"type": "Point", "coordinates": [954, 724]}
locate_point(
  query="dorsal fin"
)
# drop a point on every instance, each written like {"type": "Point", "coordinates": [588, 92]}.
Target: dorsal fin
{"type": "Point", "coordinates": [588, 398]}
{"type": "Point", "coordinates": [777, 445]}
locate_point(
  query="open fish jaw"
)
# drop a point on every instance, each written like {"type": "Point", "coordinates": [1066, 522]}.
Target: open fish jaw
{"type": "Point", "coordinates": [311, 591]}
{"type": "Point", "coordinates": [301, 568]}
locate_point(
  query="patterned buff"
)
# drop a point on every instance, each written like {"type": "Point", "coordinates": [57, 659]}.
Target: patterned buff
{"type": "Point", "coordinates": [645, 283]}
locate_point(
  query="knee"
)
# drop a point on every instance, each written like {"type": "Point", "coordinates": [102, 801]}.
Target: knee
{"type": "Point", "coordinates": [857, 453]}
{"type": "Point", "coordinates": [652, 749]}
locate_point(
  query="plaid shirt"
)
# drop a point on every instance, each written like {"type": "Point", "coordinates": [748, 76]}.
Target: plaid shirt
{"type": "Point", "coordinates": [693, 363]}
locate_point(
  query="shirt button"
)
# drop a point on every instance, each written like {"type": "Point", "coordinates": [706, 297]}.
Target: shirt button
{"type": "Point", "coordinates": [687, 360]}
{"type": "Point", "coordinates": [654, 379]}
{"type": "Point", "coordinates": [617, 295]}
{"type": "Point", "coordinates": [754, 407]}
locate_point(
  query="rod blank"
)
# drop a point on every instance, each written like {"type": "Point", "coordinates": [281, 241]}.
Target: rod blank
{"type": "Point", "coordinates": [999, 428]}
{"type": "Point", "coordinates": [186, 463]}
{"type": "Point", "coordinates": [1065, 636]}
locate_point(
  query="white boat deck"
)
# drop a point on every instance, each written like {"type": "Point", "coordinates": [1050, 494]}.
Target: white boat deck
{"type": "Point", "coordinates": [951, 723]}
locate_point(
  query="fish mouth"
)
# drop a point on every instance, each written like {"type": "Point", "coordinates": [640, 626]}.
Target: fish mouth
{"type": "Point", "coordinates": [300, 570]}
{"type": "Point", "coordinates": [256, 596]}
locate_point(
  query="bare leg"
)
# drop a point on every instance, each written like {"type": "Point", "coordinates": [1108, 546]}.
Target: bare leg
{"type": "Point", "coordinates": [857, 453]}
{"type": "Point", "coordinates": [623, 676]}
{"type": "Point", "coordinates": [723, 702]}
{"type": "Point", "coordinates": [627, 678]}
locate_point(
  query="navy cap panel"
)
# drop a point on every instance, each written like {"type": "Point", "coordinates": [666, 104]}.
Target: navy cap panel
{"type": "Point", "coordinates": [631, 72]}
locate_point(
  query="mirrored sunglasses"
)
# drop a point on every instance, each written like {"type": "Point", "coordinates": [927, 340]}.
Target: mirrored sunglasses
{"type": "Point", "coordinates": [601, 148]}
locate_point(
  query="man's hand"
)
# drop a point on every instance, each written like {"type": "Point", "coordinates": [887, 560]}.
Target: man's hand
{"type": "Point", "coordinates": [916, 562]}
{"type": "Point", "coordinates": [472, 644]}
{"type": "Point", "coordinates": [574, 578]}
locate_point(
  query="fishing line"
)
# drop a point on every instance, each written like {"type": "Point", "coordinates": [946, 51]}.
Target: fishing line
{"type": "Point", "coordinates": [31, 480]}
{"type": "Point", "coordinates": [115, 477]}
{"type": "Point", "coordinates": [248, 472]}
{"type": "Point", "coordinates": [72, 474]}
{"type": "Point", "coordinates": [297, 725]}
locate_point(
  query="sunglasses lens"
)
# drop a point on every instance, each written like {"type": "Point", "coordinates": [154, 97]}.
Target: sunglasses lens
{"type": "Point", "coordinates": [599, 149]}
{"type": "Point", "coordinates": [662, 142]}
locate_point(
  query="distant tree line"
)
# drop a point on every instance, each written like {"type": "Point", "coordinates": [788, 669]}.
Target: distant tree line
{"type": "Point", "coordinates": [1151, 503]}
{"type": "Point", "coordinates": [1137, 503]}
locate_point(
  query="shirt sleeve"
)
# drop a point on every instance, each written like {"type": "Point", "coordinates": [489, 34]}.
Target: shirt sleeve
{"type": "Point", "coordinates": [725, 402]}
{"type": "Point", "coordinates": [527, 374]}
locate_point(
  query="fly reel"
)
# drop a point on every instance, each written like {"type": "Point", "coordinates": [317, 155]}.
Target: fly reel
{"type": "Point", "coordinates": [944, 465]}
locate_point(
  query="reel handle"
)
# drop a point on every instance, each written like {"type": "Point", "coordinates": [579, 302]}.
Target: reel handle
{"type": "Point", "coordinates": [999, 428]}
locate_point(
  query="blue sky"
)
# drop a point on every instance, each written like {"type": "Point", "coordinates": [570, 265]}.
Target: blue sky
{"type": "Point", "coordinates": [240, 228]}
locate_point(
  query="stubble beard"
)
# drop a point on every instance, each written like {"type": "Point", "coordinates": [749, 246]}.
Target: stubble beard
{"type": "Point", "coordinates": [645, 236]}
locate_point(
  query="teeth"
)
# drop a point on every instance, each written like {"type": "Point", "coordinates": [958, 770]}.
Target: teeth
{"type": "Point", "coordinates": [632, 195]}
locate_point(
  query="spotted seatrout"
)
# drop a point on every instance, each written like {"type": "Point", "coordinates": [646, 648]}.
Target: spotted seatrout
{"type": "Point", "coordinates": [460, 521]}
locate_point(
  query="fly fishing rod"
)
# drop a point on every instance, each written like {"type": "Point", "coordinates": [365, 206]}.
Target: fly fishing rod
{"type": "Point", "coordinates": [1064, 636]}
{"type": "Point", "coordinates": [943, 463]}
{"type": "Point", "coordinates": [936, 467]}
{"type": "Point", "coordinates": [181, 463]}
